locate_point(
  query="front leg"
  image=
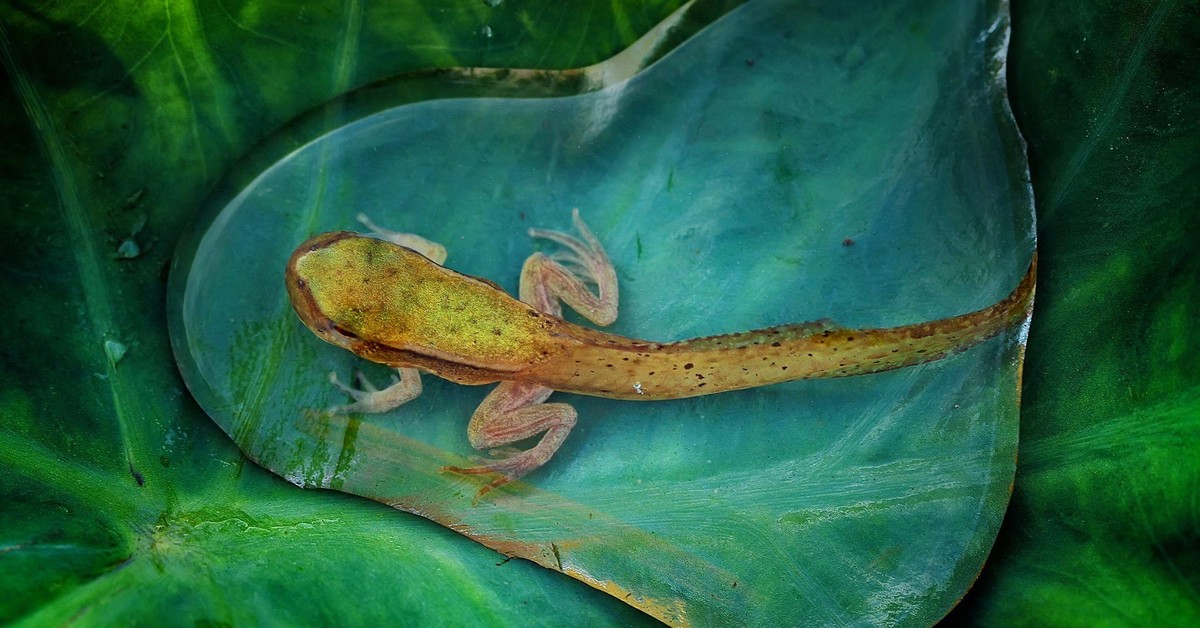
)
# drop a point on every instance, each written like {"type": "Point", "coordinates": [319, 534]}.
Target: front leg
{"type": "Point", "coordinates": [406, 384]}
{"type": "Point", "coordinates": [515, 411]}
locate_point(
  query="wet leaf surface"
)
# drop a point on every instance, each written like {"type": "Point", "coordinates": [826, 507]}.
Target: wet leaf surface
{"type": "Point", "coordinates": [721, 195]}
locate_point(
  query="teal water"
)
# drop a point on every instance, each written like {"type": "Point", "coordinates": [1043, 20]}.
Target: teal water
{"type": "Point", "coordinates": [791, 162]}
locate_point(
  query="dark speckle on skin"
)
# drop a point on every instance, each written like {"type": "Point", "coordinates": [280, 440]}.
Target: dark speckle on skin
{"type": "Point", "coordinates": [775, 344]}
{"type": "Point", "coordinates": [688, 365]}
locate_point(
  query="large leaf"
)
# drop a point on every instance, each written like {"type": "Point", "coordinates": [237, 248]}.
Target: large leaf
{"type": "Point", "coordinates": [722, 196]}
{"type": "Point", "coordinates": [1105, 525]}
{"type": "Point", "coordinates": [122, 111]}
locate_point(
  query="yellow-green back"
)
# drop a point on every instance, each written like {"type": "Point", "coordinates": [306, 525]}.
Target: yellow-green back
{"type": "Point", "coordinates": [393, 296]}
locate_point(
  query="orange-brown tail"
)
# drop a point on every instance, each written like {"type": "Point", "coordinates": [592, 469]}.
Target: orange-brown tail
{"type": "Point", "coordinates": [612, 366]}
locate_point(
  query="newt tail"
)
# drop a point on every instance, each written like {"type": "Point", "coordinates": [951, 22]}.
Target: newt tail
{"type": "Point", "coordinates": [607, 365]}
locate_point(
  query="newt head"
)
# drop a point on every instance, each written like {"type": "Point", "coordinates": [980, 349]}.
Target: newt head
{"type": "Point", "coordinates": [311, 272]}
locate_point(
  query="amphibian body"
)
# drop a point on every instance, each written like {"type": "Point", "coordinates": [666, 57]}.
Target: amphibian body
{"type": "Point", "coordinates": [388, 299]}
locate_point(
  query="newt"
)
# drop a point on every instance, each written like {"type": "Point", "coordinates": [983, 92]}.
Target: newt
{"type": "Point", "coordinates": [390, 300]}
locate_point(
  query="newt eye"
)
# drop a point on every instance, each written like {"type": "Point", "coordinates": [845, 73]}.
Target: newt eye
{"type": "Point", "coordinates": [345, 332]}
{"type": "Point", "coordinates": [300, 283]}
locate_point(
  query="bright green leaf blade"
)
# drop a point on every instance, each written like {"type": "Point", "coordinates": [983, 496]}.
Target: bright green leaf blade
{"type": "Point", "coordinates": [789, 163]}
{"type": "Point", "coordinates": [1105, 523]}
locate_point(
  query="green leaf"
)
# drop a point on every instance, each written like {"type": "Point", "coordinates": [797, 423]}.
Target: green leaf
{"type": "Point", "coordinates": [122, 499]}
{"type": "Point", "coordinates": [1105, 525]}
{"type": "Point", "coordinates": [873, 498]}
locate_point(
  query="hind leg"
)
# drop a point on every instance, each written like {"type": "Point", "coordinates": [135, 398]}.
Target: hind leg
{"type": "Point", "coordinates": [515, 411]}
